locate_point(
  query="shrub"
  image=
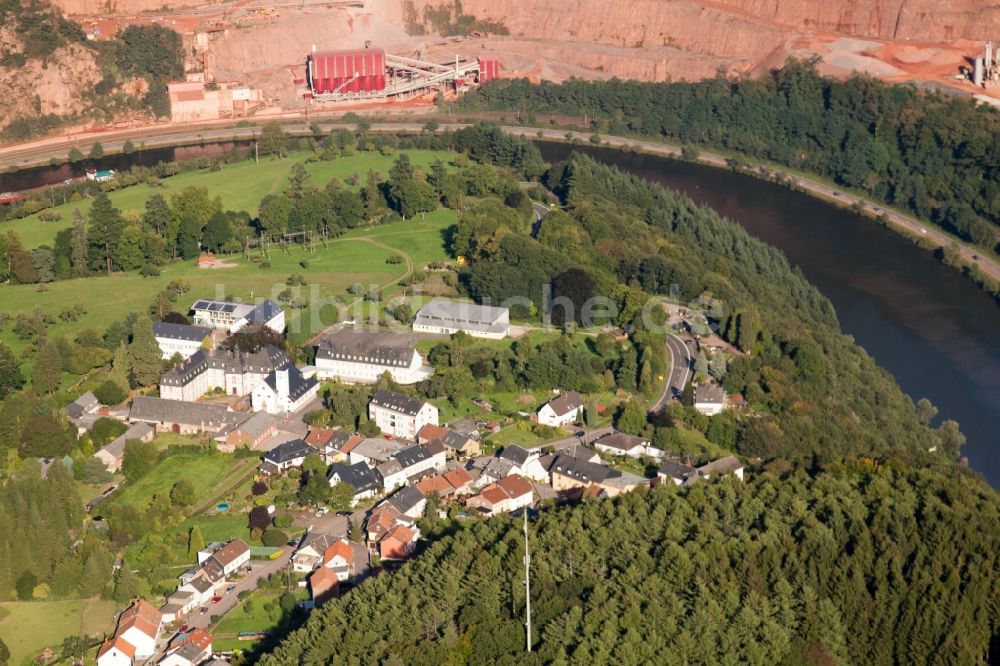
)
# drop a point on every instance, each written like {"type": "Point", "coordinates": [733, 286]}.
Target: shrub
{"type": "Point", "coordinates": [258, 488]}
{"type": "Point", "coordinates": [283, 522]}
{"type": "Point", "coordinates": [273, 537]}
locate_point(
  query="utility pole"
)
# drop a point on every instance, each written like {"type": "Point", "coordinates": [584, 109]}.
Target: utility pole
{"type": "Point", "coordinates": [527, 578]}
{"type": "Point", "coordinates": [255, 156]}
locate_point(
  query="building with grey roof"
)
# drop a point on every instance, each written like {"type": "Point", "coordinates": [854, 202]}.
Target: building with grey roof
{"type": "Point", "coordinates": [178, 416]}
{"type": "Point", "coordinates": [182, 339]}
{"type": "Point", "coordinates": [363, 356]}
{"type": "Point", "coordinates": [113, 454]}
{"type": "Point", "coordinates": [234, 372]}
{"type": "Point", "coordinates": [284, 391]}
{"type": "Point", "coordinates": [446, 317]}
{"type": "Point", "coordinates": [232, 316]}
{"type": "Point", "coordinates": [85, 404]}
{"type": "Point", "coordinates": [401, 415]}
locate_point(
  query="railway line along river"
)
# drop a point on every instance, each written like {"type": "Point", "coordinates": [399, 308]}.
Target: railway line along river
{"type": "Point", "coordinates": [929, 326]}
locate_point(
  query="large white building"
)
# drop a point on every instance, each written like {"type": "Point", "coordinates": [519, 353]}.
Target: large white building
{"type": "Point", "coordinates": [362, 357]}
{"type": "Point", "coordinates": [284, 391]}
{"type": "Point", "coordinates": [234, 316]}
{"type": "Point", "coordinates": [237, 373]}
{"type": "Point", "coordinates": [448, 317]}
{"type": "Point", "coordinates": [401, 415]}
{"type": "Point", "coordinates": [180, 338]}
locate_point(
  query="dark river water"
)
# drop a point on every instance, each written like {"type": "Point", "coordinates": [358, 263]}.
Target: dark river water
{"type": "Point", "coordinates": [930, 327]}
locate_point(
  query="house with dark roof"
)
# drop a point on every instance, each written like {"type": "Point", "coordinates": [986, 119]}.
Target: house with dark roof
{"type": "Point", "coordinates": [188, 649]}
{"type": "Point", "coordinates": [408, 501]}
{"type": "Point", "coordinates": [85, 404]}
{"type": "Point", "coordinates": [309, 552]}
{"type": "Point", "coordinates": [411, 463]}
{"type": "Point", "coordinates": [569, 473]}
{"type": "Point", "coordinates": [456, 444]}
{"type": "Point", "coordinates": [182, 339]}
{"type": "Point", "coordinates": [285, 456]}
{"type": "Point", "coordinates": [400, 415]}
{"type": "Point", "coordinates": [709, 399]}
{"type": "Point", "coordinates": [177, 416]}
{"type": "Point", "coordinates": [362, 357]}
{"type": "Point", "coordinates": [677, 472]}
{"type": "Point", "coordinates": [562, 411]}
{"type": "Point", "coordinates": [341, 445]}
{"type": "Point", "coordinates": [514, 459]}
{"type": "Point", "coordinates": [365, 480]}
{"type": "Point", "coordinates": [284, 391]}
{"type": "Point", "coordinates": [722, 466]}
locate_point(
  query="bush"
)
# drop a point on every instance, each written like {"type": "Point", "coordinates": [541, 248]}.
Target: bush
{"type": "Point", "coordinates": [106, 429]}
{"type": "Point", "coordinates": [273, 537]}
{"type": "Point", "coordinates": [258, 488]}
{"type": "Point", "coordinates": [283, 522]}
{"type": "Point", "coordinates": [110, 393]}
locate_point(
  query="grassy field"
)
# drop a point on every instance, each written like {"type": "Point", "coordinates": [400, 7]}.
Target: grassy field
{"type": "Point", "coordinates": [29, 627]}
{"type": "Point", "coordinates": [205, 472]}
{"type": "Point", "coordinates": [240, 185]}
{"type": "Point", "coordinates": [251, 615]}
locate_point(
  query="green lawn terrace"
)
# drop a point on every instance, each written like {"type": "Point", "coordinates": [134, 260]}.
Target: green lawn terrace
{"type": "Point", "coordinates": [28, 627]}
{"type": "Point", "coordinates": [241, 186]}
{"type": "Point", "coordinates": [359, 257]}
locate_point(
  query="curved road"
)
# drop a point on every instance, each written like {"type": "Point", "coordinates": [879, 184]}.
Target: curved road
{"type": "Point", "coordinates": [680, 371]}
{"type": "Point", "coordinates": [167, 134]}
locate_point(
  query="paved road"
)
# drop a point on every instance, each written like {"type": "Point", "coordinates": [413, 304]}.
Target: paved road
{"type": "Point", "coordinates": [261, 569]}
{"type": "Point", "coordinates": [540, 211]}
{"type": "Point", "coordinates": [680, 371]}
{"type": "Point", "coordinates": [168, 134]}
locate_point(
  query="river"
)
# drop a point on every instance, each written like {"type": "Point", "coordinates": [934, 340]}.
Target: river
{"type": "Point", "coordinates": [935, 331]}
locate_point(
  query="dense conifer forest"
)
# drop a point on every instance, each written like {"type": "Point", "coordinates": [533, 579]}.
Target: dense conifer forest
{"type": "Point", "coordinates": [857, 563]}
{"type": "Point", "coordinates": [930, 153]}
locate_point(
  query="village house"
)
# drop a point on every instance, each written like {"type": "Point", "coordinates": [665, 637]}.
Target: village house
{"type": "Point", "coordinates": [285, 456]}
{"type": "Point", "coordinates": [232, 557]}
{"type": "Point", "coordinates": [339, 558]}
{"type": "Point", "coordinates": [398, 543]}
{"type": "Point", "coordinates": [135, 637]}
{"type": "Point", "coordinates": [410, 463]}
{"type": "Point", "coordinates": [85, 404]}
{"type": "Point", "coordinates": [321, 439]}
{"type": "Point", "coordinates": [709, 399]}
{"type": "Point", "coordinates": [454, 482]}
{"type": "Point", "coordinates": [362, 357]}
{"type": "Point", "coordinates": [400, 415]}
{"type": "Point", "coordinates": [514, 460]}
{"type": "Point", "coordinates": [232, 317]}
{"type": "Point", "coordinates": [177, 416]}
{"type": "Point", "coordinates": [562, 411]}
{"type": "Point", "coordinates": [284, 391]}
{"type": "Point", "coordinates": [508, 494]}
{"type": "Point", "coordinates": [188, 649]}
{"type": "Point", "coordinates": [113, 454]}
{"type": "Point", "coordinates": [232, 372]}
{"type": "Point", "coordinates": [620, 444]}
{"type": "Point", "coordinates": [457, 445]}
{"type": "Point", "coordinates": [447, 317]}
{"type": "Point", "coordinates": [408, 501]}
{"type": "Point", "coordinates": [570, 473]}
{"type": "Point", "coordinates": [374, 451]}
{"type": "Point", "coordinates": [322, 586]}
{"type": "Point", "coordinates": [677, 472]}
{"type": "Point", "coordinates": [246, 430]}
{"type": "Point", "coordinates": [365, 480]}
{"type": "Point", "coordinates": [182, 339]}
{"type": "Point", "coordinates": [722, 466]}
{"type": "Point", "coordinates": [309, 553]}
{"type": "Point", "coordinates": [382, 519]}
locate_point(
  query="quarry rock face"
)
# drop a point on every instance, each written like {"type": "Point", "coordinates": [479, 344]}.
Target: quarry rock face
{"type": "Point", "coordinates": [53, 87]}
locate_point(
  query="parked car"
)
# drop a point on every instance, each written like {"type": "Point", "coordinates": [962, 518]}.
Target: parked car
{"type": "Point", "coordinates": [202, 610]}
{"type": "Point", "coordinates": [216, 599]}
{"type": "Point", "coordinates": [182, 629]}
{"type": "Point", "coordinates": [230, 589]}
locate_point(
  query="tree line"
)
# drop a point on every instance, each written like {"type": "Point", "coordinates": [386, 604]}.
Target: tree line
{"type": "Point", "coordinates": [930, 153]}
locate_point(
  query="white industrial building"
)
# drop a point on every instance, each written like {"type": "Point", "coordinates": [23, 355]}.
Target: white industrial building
{"type": "Point", "coordinates": [401, 415]}
{"type": "Point", "coordinates": [448, 317]}
{"type": "Point", "coordinates": [362, 357]}
{"type": "Point", "coordinates": [232, 317]}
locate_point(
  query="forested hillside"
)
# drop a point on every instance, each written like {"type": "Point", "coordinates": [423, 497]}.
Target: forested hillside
{"type": "Point", "coordinates": [864, 563]}
{"type": "Point", "coordinates": [932, 154]}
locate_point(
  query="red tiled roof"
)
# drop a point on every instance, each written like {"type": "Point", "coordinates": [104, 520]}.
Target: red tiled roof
{"type": "Point", "coordinates": [515, 485]}
{"type": "Point", "coordinates": [322, 580]}
{"type": "Point", "coordinates": [198, 637]}
{"type": "Point", "coordinates": [431, 431]}
{"type": "Point", "coordinates": [435, 446]}
{"type": "Point", "coordinates": [318, 437]}
{"type": "Point", "coordinates": [400, 534]}
{"type": "Point", "coordinates": [117, 641]}
{"type": "Point", "coordinates": [435, 484]}
{"type": "Point", "coordinates": [494, 494]}
{"type": "Point", "coordinates": [141, 615]}
{"type": "Point", "coordinates": [458, 478]}
{"type": "Point", "coordinates": [352, 443]}
{"type": "Point", "coordinates": [341, 548]}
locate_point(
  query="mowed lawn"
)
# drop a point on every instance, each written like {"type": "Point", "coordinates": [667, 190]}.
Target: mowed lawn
{"type": "Point", "coordinates": [204, 472]}
{"type": "Point", "coordinates": [241, 186]}
{"type": "Point", "coordinates": [29, 627]}
{"type": "Point", "coordinates": [332, 270]}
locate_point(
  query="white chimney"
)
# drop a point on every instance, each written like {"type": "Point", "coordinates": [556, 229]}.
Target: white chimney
{"type": "Point", "coordinates": [281, 382]}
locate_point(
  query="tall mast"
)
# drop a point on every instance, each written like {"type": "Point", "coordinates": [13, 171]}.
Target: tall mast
{"type": "Point", "coordinates": [527, 578]}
